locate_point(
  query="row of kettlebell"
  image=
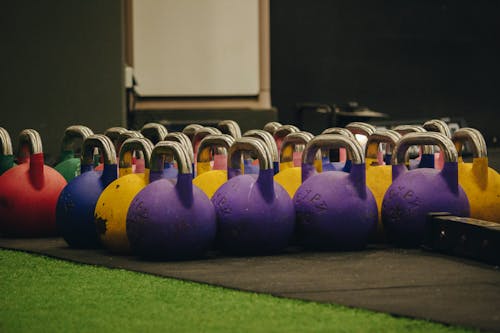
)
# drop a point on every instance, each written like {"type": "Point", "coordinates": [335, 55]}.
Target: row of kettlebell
{"type": "Point", "coordinates": [315, 197]}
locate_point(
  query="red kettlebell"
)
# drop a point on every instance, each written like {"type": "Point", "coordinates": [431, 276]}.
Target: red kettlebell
{"type": "Point", "coordinates": [282, 131]}
{"type": "Point", "coordinates": [29, 193]}
{"type": "Point", "coordinates": [190, 129]}
{"type": "Point", "coordinates": [230, 127]}
{"type": "Point", "coordinates": [154, 132]}
{"type": "Point", "coordinates": [6, 153]}
{"type": "Point", "coordinates": [271, 127]}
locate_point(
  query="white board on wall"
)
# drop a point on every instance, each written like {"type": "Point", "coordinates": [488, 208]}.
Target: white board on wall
{"type": "Point", "coordinates": [196, 47]}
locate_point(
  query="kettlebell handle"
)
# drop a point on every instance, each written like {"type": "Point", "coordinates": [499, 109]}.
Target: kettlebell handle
{"type": "Point", "coordinates": [230, 127]}
{"type": "Point", "coordinates": [437, 125]}
{"type": "Point", "coordinates": [214, 140]}
{"type": "Point", "coordinates": [474, 137]}
{"type": "Point", "coordinates": [5, 142]}
{"type": "Point", "coordinates": [339, 130]}
{"type": "Point", "coordinates": [389, 137]}
{"type": "Point", "coordinates": [154, 132]}
{"type": "Point", "coordinates": [74, 132]}
{"type": "Point", "coordinates": [271, 127]}
{"type": "Point", "coordinates": [143, 145]}
{"type": "Point", "coordinates": [291, 140]}
{"type": "Point", "coordinates": [424, 138]}
{"type": "Point", "coordinates": [203, 132]}
{"type": "Point", "coordinates": [405, 129]}
{"type": "Point", "coordinates": [269, 141]}
{"type": "Point", "coordinates": [249, 144]}
{"type": "Point", "coordinates": [333, 141]}
{"type": "Point", "coordinates": [172, 150]}
{"type": "Point", "coordinates": [31, 139]}
{"type": "Point", "coordinates": [358, 127]}
{"type": "Point", "coordinates": [281, 132]}
{"type": "Point", "coordinates": [184, 140]}
{"type": "Point", "coordinates": [105, 146]}
{"type": "Point", "coordinates": [190, 129]}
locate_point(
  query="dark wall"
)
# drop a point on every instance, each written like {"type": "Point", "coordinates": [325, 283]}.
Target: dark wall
{"type": "Point", "coordinates": [410, 59]}
{"type": "Point", "coordinates": [61, 63]}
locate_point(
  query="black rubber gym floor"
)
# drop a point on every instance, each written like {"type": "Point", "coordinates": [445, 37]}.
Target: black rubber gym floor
{"type": "Point", "coordinates": [411, 283]}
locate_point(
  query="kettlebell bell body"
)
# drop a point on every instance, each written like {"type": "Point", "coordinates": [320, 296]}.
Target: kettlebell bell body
{"type": "Point", "coordinates": [290, 176]}
{"type": "Point", "coordinates": [110, 213]}
{"type": "Point", "coordinates": [415, 193]}
{"type": "Point", "coordinates": [254, 214]}
{"type": "Point", "coordinates": [207, 179]}
{"type": "Point", "coordinates": [335, 209]}
{"type": "Point", "coordinates": [171, 221]}
{"type": "Point", "coordinates": [480, 182]}
{"type": "Point", "coordinates": [76, 204]}
{"type": "Point", "coordinates": [379, 177]}
{"type": "Point", "coordinates": [29, 192]}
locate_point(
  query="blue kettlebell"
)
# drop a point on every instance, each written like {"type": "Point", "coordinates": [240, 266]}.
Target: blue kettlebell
{"type": "Point", "coordinates": [76, 203]}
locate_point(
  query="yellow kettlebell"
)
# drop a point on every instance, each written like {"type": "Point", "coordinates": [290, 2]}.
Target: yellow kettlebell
{"type": "Point", "coordinates": [209, 178]}
{"type": "Point", "coordinates": [379, 176]}
{"type": "Point", "coordinates": [480, 183]}
{"type": "Point", "coordinates": [112, 206]}
{"type": "Point", "coordinates": [290, 175]}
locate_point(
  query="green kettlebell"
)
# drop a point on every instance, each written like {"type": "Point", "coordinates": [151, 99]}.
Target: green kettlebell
{"type": "Point", "coordinates": [69, 164]}
{"type": "Point", "coordinates": [6, 152]}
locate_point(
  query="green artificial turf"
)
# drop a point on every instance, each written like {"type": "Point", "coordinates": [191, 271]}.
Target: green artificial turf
{"type": "Point", "coordinates": [44, 294]}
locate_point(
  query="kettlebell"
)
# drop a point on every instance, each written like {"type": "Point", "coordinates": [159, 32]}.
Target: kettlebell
{"type": "Point", "coordinates": [76, 204]}
{"type": "Point", "coordinates": [154, 132]}
{"type": "Point", "coordinates": [190, 129]}
{"type": "Point", "coordinates": [170, 170]}
{"type": "Point", "coordinates": [252, 166]}
{"type": "Point", "coordinates": [438, 125]}
{"type": "Point", "coordinates": [110, 214]}
{"type": "Point", "coordinates": [118, 136]}
{"type": "Point", "coordinates": [334, 209]}
{"type": "Point", "coordinates": [415, 193]}
{"type": "Point", "coordinates": [422, 157]}
{"type": "Point", "coordinates": [254, 214]}
{"type": "Point", "coordinates": [230, 127]}
{"type": "Point", "coordinates": [29, 192]}
{"type": "Point", "coordinates": [208, 179]}
{"type": "Point", "coordinates": [281, 132]}
{"type": "Point", "coordinates": [199, 135]}
{"type": "Point", "coordinates": [171, 221]}
{"type": "Point", "coordinates": [336, 159]}
{"type": "Point", "coordinates": [480, 183]}
{"type": "Point", "coordinates": [379, 176]}
{"type": "Point", "coordinates": [290, 176]}
{"type": "Point", "coordinates": [271, 127]}
{"type": "Point", "coordinates": [69, 165]}
{"type": "Point", "coordinates": [6, 152]}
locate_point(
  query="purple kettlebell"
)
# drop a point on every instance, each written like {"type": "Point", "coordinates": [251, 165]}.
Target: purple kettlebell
{"type": "Point", "coordinates": [415, 193]}
{"type": "Point", "coordinates": [335, 209]}
{"type": "Point", "coordinates": [169, 170]}
{"type": "Point", "coordinates": [254, 214]}
{"type": "Point", "coordinates": [335, 160]}
{"type": "Point", "coordinates": [268, 139]}
{"type": "Point", "coordinates": [171, 221]}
